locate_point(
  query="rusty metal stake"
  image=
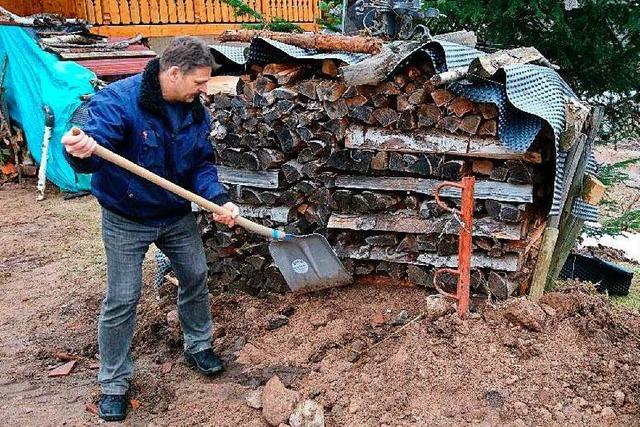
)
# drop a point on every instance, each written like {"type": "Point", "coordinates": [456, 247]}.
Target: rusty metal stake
{"type": "Point", "coordinates": [464, 245]}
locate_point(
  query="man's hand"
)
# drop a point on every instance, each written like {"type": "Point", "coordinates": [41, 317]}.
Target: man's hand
{"type": "Point", "coordinates": [78, 144]}
{"type": "Point", "coordinates": [228, 220]}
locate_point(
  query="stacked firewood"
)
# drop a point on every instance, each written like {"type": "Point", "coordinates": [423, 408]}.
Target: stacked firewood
{"type": "Point", "coordinates": [301, 150]}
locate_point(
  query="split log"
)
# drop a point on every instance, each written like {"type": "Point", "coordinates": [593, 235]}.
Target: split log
{"type": "Point", "coordinates": [507, 263]}
{"type": "Point", "coordinates": [331, 91]}
{"type": "Point", "coordinates": [260, 179]}
{"type": "Point", "coordinates": [483, 189]}
{"type": "Point", "coordinates": [593, 190]}
{"type": "Point", "coordinates": [329, 68]}
{"type": "Point", "coordinates": [229, 85]}
{"type": "Point", "coordinates": [350, 160]}
{"type": "Point", "coordinates": [376, 68]}
{"type": "Point", "coordinates": [322, 42]}
{"type": "Point", "coordinates": [270, 158]}
{"type": "Point", "coordinates": [500, 287]}
{"type": "Point", "coordinates": [278, 214]}
{"type": "Point", "coordinates": [404, 222]}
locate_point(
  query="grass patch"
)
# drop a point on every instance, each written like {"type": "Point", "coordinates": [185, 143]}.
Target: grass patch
{"type": "Point", "coordinates": [631, 301]}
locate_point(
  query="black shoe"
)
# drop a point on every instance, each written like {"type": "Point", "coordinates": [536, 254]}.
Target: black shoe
{"type": "Point", "coordinates": [205, 361]}
{"type": "Point", "coordinates": [113, 407]}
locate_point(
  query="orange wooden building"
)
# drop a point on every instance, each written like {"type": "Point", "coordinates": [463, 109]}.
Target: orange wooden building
{"type": "Point", "coordinates": [153, 18]}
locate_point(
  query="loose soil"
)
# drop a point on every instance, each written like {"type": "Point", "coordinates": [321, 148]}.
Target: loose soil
{"type": "Point", "coordinates": [342, 348]}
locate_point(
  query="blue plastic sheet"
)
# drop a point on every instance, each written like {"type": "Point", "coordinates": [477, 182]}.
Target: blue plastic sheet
{"type": "Point", "coordinates": [33, 79]}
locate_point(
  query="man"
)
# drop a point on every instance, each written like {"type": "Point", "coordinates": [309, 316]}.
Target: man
{"type": "Point", "coordinates": [154, 119]}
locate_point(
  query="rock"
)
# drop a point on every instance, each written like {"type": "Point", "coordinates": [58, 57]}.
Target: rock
{"type": "Point", "coordinates": [254, 398]}
{"type": "Point", "coordinates": [545, 415]}
{"type": "Point", "coordinates": [521, 408]}
{"type": "Point", "coordinates": [618, 396]}
{"type": "Point", "coordinates": [172, 319]}
{"type": "Point", "coordinates": [525, 313]}
{"type": "Point", "coordinates": [565, 305]}
{"type": "Point", "coordinates": [307, 414]}
{"type": "Point", "coordinates": [437, 306]}
{"type": "Point", "coordinates": [550, 311]}
{"type": "Point", "coordinates": [401, 318]}
{"type": "Point", "coordinates": [278, 402]}
{"type": "Point", "coordinates": [607, 413]}
{"type": "Point", "coordinates": [277, 321]}
{"type": "Point", "coordinates": [581, 402]}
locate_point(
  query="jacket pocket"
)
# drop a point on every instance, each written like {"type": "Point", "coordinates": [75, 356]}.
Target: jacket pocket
{"type": "Point", "coordinates": [151, 154]}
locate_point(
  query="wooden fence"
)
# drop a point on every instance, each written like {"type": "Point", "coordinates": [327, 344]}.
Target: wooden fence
{"type": "Point", "coordinates": [168, 17]}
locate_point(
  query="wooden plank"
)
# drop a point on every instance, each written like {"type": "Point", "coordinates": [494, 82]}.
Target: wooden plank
{"type": "Point", "coordinates": [225, 13]}
{"type": "Point", "coordinates": [90, 10]}
{"type": "Point", "coordinates": [164, 11]}
{"type": "Point", "coordinates": [431, 141]}
{"type": "Point", "coordinates": [173, 11]}
{"type": "Point", "coordinates": [478, 260]}
{"type": "Point", "coordinates": [125, 13]}
{"type": "Point", "coordinates": [407, 222]}
{"type": "Point", "coordinates": [200, 11]}
{"type": "Point", "coordinates": [189, 11]}
{"type": "Point", "coordinates": [114, 12]}
{"type": "Point", "coordinates": [154, 12]}
{"type": "Point", "coordinates": [104, 55]}
{"type": "Point", "coordinates": [259, 179]}
{"type": "Point", "coordinates": [145, 12]}
{"type": "Point", "coordinates": [175, 29]}
{"type": "Point", "coordinates": [279, 214]}
{"type": "Point", "coordinates": [134, 9]}
{"type": "Point", "coordinates": [180, 6]}
{"type": "Point", "coordinates": [500, 191]}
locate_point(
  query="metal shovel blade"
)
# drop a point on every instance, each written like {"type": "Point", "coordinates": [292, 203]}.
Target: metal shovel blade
{"type": "Point", "coordinates": [308, 263]}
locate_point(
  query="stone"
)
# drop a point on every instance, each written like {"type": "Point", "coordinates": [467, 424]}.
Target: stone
{"type": "Point", "coordinates": [254, 398]}
{"type": "Point", "coordinates": [307, 414]}
{"type": "Point", "coordinates": [521, 408]}
{"type": "Point", "coordinates": [278, 402]}
{"type": "Point", "coordinates": [277, 321]}
{"type": "Point", "coordinates": [437, 306]}
{"type": "Point", "coordinates": [401, 318]}
{"type": "Point", "coordinates": [525, 313]}
{"type": "Point", "coordinates": [618, 397]}
{"type": "Point", "coordinates": [172, 319]}
{"type": "Point", "coordinates": [607, 413]}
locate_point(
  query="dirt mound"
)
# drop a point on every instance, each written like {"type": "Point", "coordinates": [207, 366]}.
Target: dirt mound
{"type": "Point", "coordinates": [370, 355]}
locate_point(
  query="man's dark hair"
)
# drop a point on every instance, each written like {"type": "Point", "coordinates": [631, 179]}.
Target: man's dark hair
{"type": "Point", "coordinates": [187, 53]}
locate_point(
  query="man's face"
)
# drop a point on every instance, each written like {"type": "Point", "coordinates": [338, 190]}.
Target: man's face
{"type": "Point", "coordinates": [187, 86]}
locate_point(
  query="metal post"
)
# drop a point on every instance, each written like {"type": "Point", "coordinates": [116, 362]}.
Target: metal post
{"type": "Point", "coordinates": [464, 244]}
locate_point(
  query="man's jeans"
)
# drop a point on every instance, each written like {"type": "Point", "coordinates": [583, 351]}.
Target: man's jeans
{"type": "Point", "coordinates": [126, 243]}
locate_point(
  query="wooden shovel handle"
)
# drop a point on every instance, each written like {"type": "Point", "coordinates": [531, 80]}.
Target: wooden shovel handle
{"type": "Point", "coordinates": [205, 204]}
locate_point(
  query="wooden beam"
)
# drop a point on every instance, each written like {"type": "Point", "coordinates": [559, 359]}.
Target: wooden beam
{"type": "Point", "coordinates": [279, 214]}
{"type": "Point", "coordinates": [158, 30]}
{"type": "Point", "coordinates": [431, 141]}
{"type": "Point", "coordinates": [405, 222]}
{"type": "Point", "coordinates": [478, 260]}
{"type": "Point", "coordinates": [259, 179]}
{"type": "Point", "coordinates": [107, 54]}
{"type": "Point", "coordinates": [493, 190]}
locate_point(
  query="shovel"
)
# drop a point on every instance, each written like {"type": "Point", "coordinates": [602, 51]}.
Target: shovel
{"type": "Point", "coordinates": [307, 262]}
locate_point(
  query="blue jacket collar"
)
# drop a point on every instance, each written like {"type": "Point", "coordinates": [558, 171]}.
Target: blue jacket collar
{"type": "Point", "coordinates": [150, 97]}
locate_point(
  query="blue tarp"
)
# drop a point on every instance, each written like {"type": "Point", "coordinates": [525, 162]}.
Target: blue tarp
{"type": "Point", "coordinates": [33, 79]}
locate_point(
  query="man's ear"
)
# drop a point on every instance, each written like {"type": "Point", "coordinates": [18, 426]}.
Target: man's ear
{"type": "Point", "coordinates": [174, 73]}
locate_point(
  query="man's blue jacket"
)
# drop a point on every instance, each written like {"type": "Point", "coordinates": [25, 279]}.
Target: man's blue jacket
{"type": "Point", "coordinates": [129, 118]}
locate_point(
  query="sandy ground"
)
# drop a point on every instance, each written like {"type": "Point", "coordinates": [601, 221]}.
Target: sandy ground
{"type": "Point", "coordinates": [581, 368]}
